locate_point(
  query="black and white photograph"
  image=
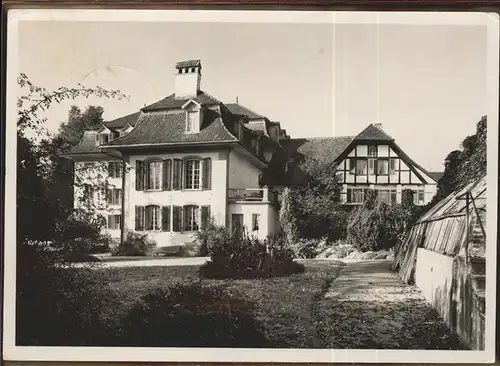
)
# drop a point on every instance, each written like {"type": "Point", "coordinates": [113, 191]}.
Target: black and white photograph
{"type": "Point", "coordinates": [251, 186]}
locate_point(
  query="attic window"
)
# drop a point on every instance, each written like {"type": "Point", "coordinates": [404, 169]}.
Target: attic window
{"type": "Point", "coordinates": [102, 138]}
{"type": "Point", "coordinates": [192, 121]}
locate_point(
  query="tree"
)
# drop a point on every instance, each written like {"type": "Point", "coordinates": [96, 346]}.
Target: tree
{"type": "Point", "coordinates": [47, 295]}
{"type": "Point", "coordinates": [288, 217]}
{"type": "Point", "coordinates": [466, 165]}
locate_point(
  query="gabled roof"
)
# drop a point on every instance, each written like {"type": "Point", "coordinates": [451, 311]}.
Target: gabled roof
{"type": "Point", "coordinates": [317, 146]}
{"type": "Point", "coordinates": [86, 145]}
{"type": "Point", "coordinates": [239, 110]}
{"type": "Point", "coordinates": [188, 63]}
{"type": "Point", "coordinates": [121, 122]}
{"type": "Point", "coordinates": [373, 132]}
{"type": "Point", "coordinates": [169, 128]}
{"type": "Point", "coordinates": [171, 102]}
{"type": "Point", "coordinates": [435, 175]}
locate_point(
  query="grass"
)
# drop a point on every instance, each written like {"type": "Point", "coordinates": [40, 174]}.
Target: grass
{"type": "Point", "coordinates": [283, 304]}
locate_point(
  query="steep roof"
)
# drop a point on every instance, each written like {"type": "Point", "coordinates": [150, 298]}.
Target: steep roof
{"type": "Point", "coordinates": [436, 175]}
{"type": "Point", "coordinates": [373, 132]}
{"type": "Point", "coordinates": [168, 128]}
{"type": "Point", "coordinates": [317, 146]}
{"type": "Point", "coordinates": [239, 110]}
{"type": "Point", "coordinates": [171, 102]}
{"type": "Point", "coordinates": [86, 145]}
{"type": "Point", "coordinates": [121, 122]}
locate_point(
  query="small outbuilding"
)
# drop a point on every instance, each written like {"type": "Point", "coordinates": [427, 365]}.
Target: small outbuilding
{"type": "Point", "coordinates": [444, 255]}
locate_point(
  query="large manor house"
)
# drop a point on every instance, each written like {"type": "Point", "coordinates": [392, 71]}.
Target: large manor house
{"type": "Point", "coordinates": [189, 158]}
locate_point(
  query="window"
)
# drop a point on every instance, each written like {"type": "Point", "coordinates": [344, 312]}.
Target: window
{"type": "Point", "coordinates": [419, 197]}
{"type": "Point", "coordinates": [392, 167]}
{"type": "Point", "coordinates": [372, 150]}
{"type": "Point", "coordinates": [355, 195]}
{"type": "Point", "coordinates": [192, 121]}
{"type": "Point", "coordinates": [371, 166]}
{"type": "Point", "coordinates": [114, 221]}
{"type": "Point", "coordinates": [114, 196]}
{"type": "Point", "coordinates": [360, 166]}
{"type": "Point", "coordinates": [352, 166]}
{"type": "Point", "coordinates": [388, 196]}
{"type": "Point", "coordinates": [255, 222]}
{"type": "Point", "coordinates": [192, 177]}
{"type": "Point", "coordinates": [154, 175]}
{"type": "Point", "coordinates": [102, 138]}
{"type": "Point", "coordinates": [382, 167]}
{"type": "Point", "coordinates": [88, 165]}
{"type": "Point", "coordinates": [88, 194]}
{"type": "Point", "coordinates": [152, 218]}
{"type": "Point", "coordinates": [191, 218]}
{"type": "Point", "coordinates": [115, 169]}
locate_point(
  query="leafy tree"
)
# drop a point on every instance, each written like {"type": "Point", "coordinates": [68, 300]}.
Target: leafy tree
{"type": "Point", "coordinates": [49, 296]}
{"type": "Point", "coordinates": [288, 218]}
{"type": "Point", "coordinates": [466, 165]}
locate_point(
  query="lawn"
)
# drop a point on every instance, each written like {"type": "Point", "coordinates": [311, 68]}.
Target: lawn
{"type": "Point", "coordinates": [284, 305]}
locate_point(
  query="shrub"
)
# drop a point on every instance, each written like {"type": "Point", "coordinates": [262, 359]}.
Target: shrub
{"type": "Point", "coordinates": [192, 316]}
{"type": "Point", "coordinates": [135, 244]}
{"type": "Point", "coordinates": [376, 225]}
{"type": "Point", "coordinates": [80, 235]}
{"type": "Point", "coordinates": [371, 226]}
{"type": "Point", "coordinates": [210, 238]}
{"type": "Point", "coordinates": [247, 257]}
{"type": "Point", "coordinates": [308, 248]}
{"type": "Point", "coordinates": [57, 305]}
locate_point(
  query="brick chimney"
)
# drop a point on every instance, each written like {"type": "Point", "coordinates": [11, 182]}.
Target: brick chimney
{"type": "Point", "coordinates": [187, 79]}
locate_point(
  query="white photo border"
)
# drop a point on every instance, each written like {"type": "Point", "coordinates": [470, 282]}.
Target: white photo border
{"type": "Point", "coordinates": [138, 354]}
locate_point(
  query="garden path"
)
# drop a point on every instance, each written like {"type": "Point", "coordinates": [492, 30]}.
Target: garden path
{"type": "Point", "coordinates": [368, 307]}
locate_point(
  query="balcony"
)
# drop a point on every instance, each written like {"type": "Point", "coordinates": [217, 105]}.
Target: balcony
{"type": "Point", "coordinates": [250, 195]}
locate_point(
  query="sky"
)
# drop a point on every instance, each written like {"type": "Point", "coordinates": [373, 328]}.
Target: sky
{"type": "Point", "coordinates": [426, 84]}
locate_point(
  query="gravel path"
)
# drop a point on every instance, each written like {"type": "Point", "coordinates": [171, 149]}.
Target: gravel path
{"type": "Point", "coordinates": [368, 307]}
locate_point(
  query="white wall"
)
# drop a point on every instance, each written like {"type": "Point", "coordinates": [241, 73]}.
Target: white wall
{"type": "Point", "coordinates": [267, 221]}
{"type": "Point", "coordinates": [242, 173]}
{"type": "Point", "coordinates": [433, 276]}
{"type": "Point", "coordinates": [216, 197]}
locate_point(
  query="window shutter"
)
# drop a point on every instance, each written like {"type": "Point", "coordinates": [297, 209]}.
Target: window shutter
{"type": "Point", "coordinates": [205, 217]}
{"type": "Point", "coordinates": [167, 175]}
{"type": "Point", "coordinates": [139, 218]}
{"type": "Point", "coordinates": [207, 173]}
{"type": "Point", "coordinates": [139, 175]}
{"type": "Point", "coordinates": [177, 218]}
{"type": "Point", "coordinates": [165, 218]}
{"type": "Point", "coordinates": [109, 196]}
{"type": "Point", "coordinates": [177, 174]}
{"type": "Point", "coordinates": [109, 221]}
{"type": "Point", "coordinates": [110, 170]}
{"type": "Point", "coordinates": [185, 218]}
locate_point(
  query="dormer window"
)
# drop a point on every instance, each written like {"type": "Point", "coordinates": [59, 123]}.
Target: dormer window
{"type": "Point", "coordinates": [102, 138]}
{"type": "Point", "coordinates": [192, 121]}
{"type": "Point", "coordinates": [193, 116]}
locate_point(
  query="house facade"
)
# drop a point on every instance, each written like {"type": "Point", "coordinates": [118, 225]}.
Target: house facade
{"type": "Point", "coordinates": [188, 159]}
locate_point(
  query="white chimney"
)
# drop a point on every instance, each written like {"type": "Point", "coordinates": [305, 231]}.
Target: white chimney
{"type": "Point", "coordinates": [378, 125]}
{"type": "Point", "coordinates": [187, 79]}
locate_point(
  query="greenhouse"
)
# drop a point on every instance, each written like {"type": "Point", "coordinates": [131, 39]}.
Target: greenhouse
{"type": "Point", "coordinates": [444, 255]}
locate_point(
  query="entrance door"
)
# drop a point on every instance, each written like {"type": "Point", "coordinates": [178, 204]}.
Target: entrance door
{"type": "Point", "coordinates": [237, 225]}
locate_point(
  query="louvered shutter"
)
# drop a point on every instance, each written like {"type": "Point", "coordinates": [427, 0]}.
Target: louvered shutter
{"type": "Point", "coordinates": [185, 218]}
{"type": "Point", "coordinates": [110, 170]}
{"type": "Point", "coordinates": [165, 218]}
{"type": "Point", "coordinates": [177, 174]}
{"type": "Point", "coordinates": [139, 175]}
{"type": "Point", "coordinates": [139, 218]}
{"type": "Point", "coordinates": [109, 196]}
{"type": "Point", "coordinates": [167, 175]}
{"type": "Point", "coordinates": [207, 173]}
{"type": "Point", "coordinates": [176, 218]}
{"type": "Point", "coordinates": [205, 217]}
